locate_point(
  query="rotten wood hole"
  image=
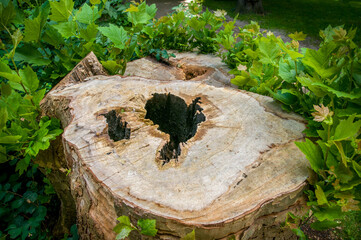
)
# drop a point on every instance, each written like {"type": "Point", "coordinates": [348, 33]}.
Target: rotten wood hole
{"type": "Point", "coordinates": [172, 115]}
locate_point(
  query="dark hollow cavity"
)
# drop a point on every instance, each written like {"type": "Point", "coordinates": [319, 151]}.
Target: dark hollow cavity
{"type": "Point", "coordinates": [117, 129]}
{"type": "Point", "coordinates": [175, 118]}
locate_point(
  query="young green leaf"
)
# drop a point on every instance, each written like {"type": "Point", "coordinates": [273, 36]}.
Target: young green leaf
{"type": "Point", "coordinates": [66, 29]}
{"type": "Point", "coordinates": [313, 154]}
{"type": "Point", "coordinates": [34, 27]}
{"type": "Point", "coordinates": [122, 231]}
{"type": "Point", "coordinates": [23, 164]}
{"type": "Point", "coordinates": [320, 195]}
{"type": "Point", "coordinates": [60, 11]}
{"type": "Point", "coordinates": [87, 14]}
{"type": "Point", "coordinates": [147, 227]}
{"type": "Point", "coordinates": [116, 34]}
{"type": "Point", "coordinates": [298, 36]}
{"type": "Point", "coordinates": [90, 33]}
{"type": "Point", "coordinates": [29, 78]}
{"type": "Point", "coordinates": [347, 129]}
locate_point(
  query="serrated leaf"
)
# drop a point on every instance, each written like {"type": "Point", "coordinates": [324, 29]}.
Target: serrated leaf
{"type": "Point", "coordinates": [319, 60]}
{"type": "Point", "coordinates": [320, 195]}
{"type": "Point", "coordinates": [116, 34]}
{"type": "Point", "coordinates": [60, 11]}
{"type": "Point", "coordinates": [269, 51]}
{"type": "Point", "coordinates": [190, 236]}
{"type": "Point", "coordinates": [66, 29]}
{"type": "Point", "coordinates": [5, 90]}
{"type": "Point", "coordinates": [112, 66]}
{"type": "Point", "coordinates": [29, 78]}
{"type": "Point", "coordinates": [347, 129]}
{"type": "Point", "coordinates": [6, 72]}
{"type": "Point", "coordinates": [22, 165]}
{"type": "Point", "coordinates": [87, 14]}
{"type": "Point", "coordinates": [124, 220]}
{"type": "Point", "coordinates": [7, 14]}
{"type": "Point", "coordinates": [311, 84]}
{"type": "Point", "coordinates": [90, 33]}
{"type": "Point", "coordinates": [52, 36]}
{"type": "Point", "coordinates": [287, 71]}
{"type": "Point", "coordinates": [313, 154]}
{"type": "Point", "coordinates": [147, 227]}
{"type": "Point", "coordinates": [298, 36]}
{"type": "Point", "coordinates": [143, 15]}
{"type": "Point", "coordinates": [355, 94]}
{"type": "Point", "coordinates": [244, 80]}
{"type": "Point", "coordinates": [122, 231]}
{"type": "Point", "coordinates": [34, 27]}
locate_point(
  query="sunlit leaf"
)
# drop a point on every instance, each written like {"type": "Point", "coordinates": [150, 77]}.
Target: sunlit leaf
{"type": "Point", "coordinates": [61, 10]}
{"type": "Point", "coordinates": [147, 227]}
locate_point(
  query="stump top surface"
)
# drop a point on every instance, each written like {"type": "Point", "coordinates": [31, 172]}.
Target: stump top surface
{"type": "Point", "coordinates": [240, 157]}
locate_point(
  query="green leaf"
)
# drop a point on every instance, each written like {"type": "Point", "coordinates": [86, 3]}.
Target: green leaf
{"type": "Point", "coordinates": [287, 71]}
{"type": "Point", "coordinates": [357, 168]}
{"type": "Point", "coordinates": [343, 173]}
{"type": "Point", "coordinates": [313, 154]}
{"type": "Point", "coordinates": [7, 14]}
{"type": "Point", "coordinates": [90, 33]}
{"type": "Point", "coordinates": [269, 51]}
{"type": "Point", "coordinates": [66, 29]}
{"type": "Point", "coordinates": [116, 34]}
{"type": "Point", "coordinates": [320, 195]}
{"type": "Point", "coordinates": [29, 78]}
{"type": "Point", "coordinates": [323, 225]}
{"type": "Point", "coordinates": [87, 14]}
{"type": "Point", "coordinates": [112, 66]}
{"type": "Point", "coordinates": [298, 36]}
{"type": "Point", "coordinates": [3, 116]}
{"type": "Point", "coordinates": [53, 37]}
{"type": "Point", "coordinates": [347, 129]}
{"type": "Point", "coordinates": [147, 227]}
{"type": "Point", "coordinates": [311, 84]}
{"type": "Point", "coordinates": [6, 72]}
{"type": "Point", "coordinates": [5, 90]}
{"type": "Point", "coordinates": [31, 55]}
{"type": "Point", "coordinates": [141, 14]}
{"type": "Point", "coordinates": [60, 11]}
{"type": "Point", "coordinates": [244, 80]}
{"type": "Point", "coordinates": [190, 236]}
{"type": "Point", "coordinates": [34, 27]}
{"type": "Point", "coordinates": [329, 213]}
{"type": "Point", "coordinates": [95, 2]}
{"type": "Point", "coordinates": [284, 96]}
{"type": "Point", "coordinates": [16, 39]}
{"type": "Point", "coordinates": [124, 220]}
{"type": "Point", "coordinates": [319, 60]}
{"type": "Point", "coordinates": [10, 139]}
{"type": "Point", "coordinates": [22, 165]}
{"type": "Point", "coordinates": [354, 94]}
{"type": "Point", "coordinates": [122, 231]}
{"type": "Point", "coordinates": [299, 233]}
{"type": "Point", "coordinates": [14, 231]}
{"type": "Point", "coordinates": [3, 155]}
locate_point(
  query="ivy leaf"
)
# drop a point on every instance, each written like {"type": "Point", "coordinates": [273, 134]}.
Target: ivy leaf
{"type": "Point", "coordinates": [34, 27]}
{"type": "Point", "coordinates": [313, 154]}
{"type": "Point", "coordinates": [298, 36]}
{"type": "Point", "coordinates": [190, 236]}
{"type": "Point", "coordinates": [87, 14]}
{"type": "Point", "coordinates": [66, 29]}
{"type": "Point", "coordinates": [116, 34]}
{"type": "Point", "coordinates": [7, 14]}
{"type": "Point", "coordinates": [29, 78]}
{"type": "Point", "coordinates": [147, 227]}
{"type": "Point", "coordinates": [60, 11]}
{"type": "Point", "coordinates": [320, 195]}
{"type": "Point", "coordinates": [347, 129]}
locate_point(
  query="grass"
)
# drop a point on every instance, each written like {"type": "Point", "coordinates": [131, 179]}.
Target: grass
{"type": "Point", "coordinates": [309, 16]}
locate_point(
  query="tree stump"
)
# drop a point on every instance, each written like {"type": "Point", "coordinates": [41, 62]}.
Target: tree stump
{"type": "Point", "coordinates": [186, 153]}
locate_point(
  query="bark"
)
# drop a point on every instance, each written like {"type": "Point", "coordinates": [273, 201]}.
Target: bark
{"type": "Point", "coordinates": [190, 152]}
{"type": "Point", "coordinates": [246, 6]}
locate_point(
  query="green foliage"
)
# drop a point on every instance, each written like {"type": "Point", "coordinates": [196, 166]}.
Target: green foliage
{"type": "Point", "coordinates": [145, 227]}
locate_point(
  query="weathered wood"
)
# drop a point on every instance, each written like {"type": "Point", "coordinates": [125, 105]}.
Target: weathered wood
{"type": "Point", "coordinates": [225, 165]}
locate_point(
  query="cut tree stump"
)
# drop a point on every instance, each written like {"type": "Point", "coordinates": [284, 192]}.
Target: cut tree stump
{"type": "Point", "coordinates": [182, 151]}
